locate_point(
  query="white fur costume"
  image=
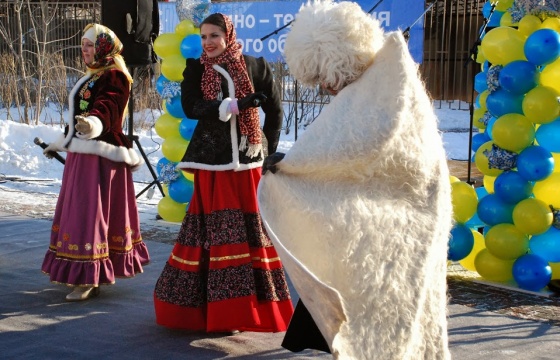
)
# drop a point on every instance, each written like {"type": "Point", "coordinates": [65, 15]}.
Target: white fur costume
{"type": "Point", "coordinates": [360, 208]}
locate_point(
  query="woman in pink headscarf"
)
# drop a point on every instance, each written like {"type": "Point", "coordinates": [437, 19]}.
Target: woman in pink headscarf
{"type": "Point", "coordinates": [223, 274]}
{"type": "Point", "coordinates": [96, 231]}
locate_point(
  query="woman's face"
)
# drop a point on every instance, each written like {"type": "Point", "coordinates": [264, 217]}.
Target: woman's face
{"type": "Point", "coordinates": [213, 40]}
{"type": "Point", "coordinates": [88, 50]}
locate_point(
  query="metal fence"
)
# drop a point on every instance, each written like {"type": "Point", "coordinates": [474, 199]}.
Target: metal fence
{"type": "Point", "coordinates": [451, 31]}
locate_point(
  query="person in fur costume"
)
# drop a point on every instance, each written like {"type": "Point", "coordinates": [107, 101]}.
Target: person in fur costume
{"type": "Point", "coordinates": [359, 209]}
{"type": "Point", "coordinates": [95, 234]}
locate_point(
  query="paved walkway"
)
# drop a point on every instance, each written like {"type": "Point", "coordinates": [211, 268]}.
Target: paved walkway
{"type": "Point", "coordinates": [36, 322]}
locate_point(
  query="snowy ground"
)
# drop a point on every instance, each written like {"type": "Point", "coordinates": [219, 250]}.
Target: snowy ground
{"type": "Point", "coordinates": [29, 182]}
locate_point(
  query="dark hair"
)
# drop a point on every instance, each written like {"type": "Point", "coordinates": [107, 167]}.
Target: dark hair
{"type": "Point", "coordinates": [215, 19]}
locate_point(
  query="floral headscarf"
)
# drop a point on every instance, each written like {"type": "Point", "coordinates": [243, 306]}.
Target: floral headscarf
{"type": "Point", "coordinates": [108, 48]}
{"type": "Point", "coordinates": [248, 119]}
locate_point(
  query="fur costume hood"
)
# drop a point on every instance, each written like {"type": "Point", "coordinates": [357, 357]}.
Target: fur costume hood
{"type": "Point", "coordinates": [360, 207]}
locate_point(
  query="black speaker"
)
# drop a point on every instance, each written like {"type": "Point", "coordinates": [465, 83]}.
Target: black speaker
{"type": "Point", "coordinates": [136, 23]}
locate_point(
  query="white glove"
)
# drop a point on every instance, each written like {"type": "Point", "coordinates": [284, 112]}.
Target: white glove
{"type": "Point", "coordinates": [83, 125]}
{"type": "Point", "coordinates": [49, 151]}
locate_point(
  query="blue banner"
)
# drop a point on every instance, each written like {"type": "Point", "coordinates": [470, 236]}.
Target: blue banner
{"type": "Point", "coordinates": [255, 20]}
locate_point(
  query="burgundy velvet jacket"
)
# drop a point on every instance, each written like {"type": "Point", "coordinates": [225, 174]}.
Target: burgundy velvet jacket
{"type": "Point", "coordinates": [101, 98]}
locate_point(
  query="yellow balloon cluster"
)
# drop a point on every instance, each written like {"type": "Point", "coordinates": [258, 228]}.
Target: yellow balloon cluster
{"type": "Point", "coordinates": [527, 97]}
{"type": "Point", "coordinates": [168, 47]}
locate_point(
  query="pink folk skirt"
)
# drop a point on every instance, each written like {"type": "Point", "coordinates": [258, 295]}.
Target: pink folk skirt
{"type": "Point", "coordinates": [95, 235]}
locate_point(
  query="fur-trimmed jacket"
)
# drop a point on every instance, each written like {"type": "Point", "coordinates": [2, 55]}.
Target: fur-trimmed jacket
{"type": "Point", "coordinates": [215, 142]}
{"type": "Point", "coordinates": [101, 98]}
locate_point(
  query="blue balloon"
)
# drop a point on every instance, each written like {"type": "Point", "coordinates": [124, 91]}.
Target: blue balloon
{"type": "Point", "coordinates": [181, 190]}
{"type": "Point", "coordinates": [548, 136]}
{"type": "Point", "coordinates": [531, 272]}
{"type": "Point", "coordinates": [481, 192]}
{"type": "Point", "coordinates": [511, 187]}
{"type": "Point", "coordinates": [493, 210]}
{"type": "Point", "coordinates": [490, 126]}
{"type": "Point", "coordinates": [160, 84]}
{"type": "Point", "coordinates": [478, 140]}
{"type": "Point", "coordinates": [461, 242]}
{"type": "Point", "coordinates": [519, 77]}
{"type": "Point", "coordinates": [487, 9]}
{"type": "Point", "coordinates": [547, 245]}
{"type": "Point", "coordinates": [191, 46]}
{"type": "Point", "coordinates": [542, 46]}
{"type": "Point", "coordinates": [496, 18]}
{"type": "Point", "coordinates": [535, 163]}
{"type": "Point", "coordinates": [175, 108]}
{"type": "Point", "coordinates": [186, 128]}
{"type": "Point", "coordinates": [161, 163]}
{"type": "Point", "coordinates": [480, 84]}
{"type": "Point", "coordinates": [501, 102]}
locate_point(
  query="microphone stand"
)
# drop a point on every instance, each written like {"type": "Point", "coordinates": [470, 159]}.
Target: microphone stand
{"type": "Point", "coordinates": [406, 32]}
{"type": "Point", "coordinates": [472, 57]}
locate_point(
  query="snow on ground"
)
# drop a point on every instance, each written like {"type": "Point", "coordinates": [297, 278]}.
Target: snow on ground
{"type": "Point", "coordinates": [29, 182]}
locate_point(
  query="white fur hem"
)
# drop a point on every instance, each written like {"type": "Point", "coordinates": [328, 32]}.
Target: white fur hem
{"type": "Point", "coordinates": [101, 148]}
{"type": "Point", "coordinates": [223, 167]}
{"type": "Point", "coordinates": [225, 114]}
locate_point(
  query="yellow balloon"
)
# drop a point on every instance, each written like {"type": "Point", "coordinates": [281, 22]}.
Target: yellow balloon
{"type": "Point", "coordinates": [167, 44]}
{"type": "Point", "coordinates": [482, 99]}
{"type": "Point", "coordinates": [468, 261]}
{"type": "Point", "coordinates": [488, 182]}
{"type": "Point", "coordinates": [172, 67]}
{"type": "Point", "coordinates": [174, 147]}
{"type": "Point", "coordinates": [167, 126]}
{"type": "Point", "coordinates": [551, 23]}
{"type": "Point", "coordinates": [550, 75]}
{"type": "Point", "coordinates": [513, 132]}
{"type": "Point", "coordinates": [506, 20]}
{"type": "Point", "coordinates": [165, 188]}
{"type": "Point", "coordinates": [453, 179]}
{"type": "Point", "coordinates": [540, 105]}
{"type": "Point", "coordinates": [532, 216]}
{"type": "Point", "coordinates": [480, 58]}
{"type": "Point", "coordinates": [189, 176]}
{"type": "Point", "coordinates": [170, 210]}
{"type": "Point", "coordinates": [506, 241]}
{"type": "Point", "coordinates": [548, 190]}
{"type": "Point", "coordinates": [529, 24]}
{"type": "Point", "coordinates": [556, 157]}
{"type": "Point", "coordinates": [503, 5]}
{"type": "Point", "coordinates": [478, 114]}
{"type": "Point", "coordinates": [481, 160]}
{"type": "Point", "coordinates": [464, 200]}
{"type": "Point", "coordinates": [493, 268]}
{"type": "Point", "coordinates": [184, 28]}
{"type": "Point", "coordinates": [503, 45]}
{"type": "Point", "coordinates": [555, 266]}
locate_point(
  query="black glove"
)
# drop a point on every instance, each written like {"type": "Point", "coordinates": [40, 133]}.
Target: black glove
{"type": "Point", "coordinates": [270, 162]}
{"type": "Point", "coordinates": [251, 100]}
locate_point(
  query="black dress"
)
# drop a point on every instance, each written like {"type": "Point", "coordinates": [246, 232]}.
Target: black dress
{"type": "Point", "coordinates": [303, 333]}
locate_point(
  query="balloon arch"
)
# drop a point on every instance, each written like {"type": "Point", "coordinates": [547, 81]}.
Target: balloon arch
{"type": "Point", "coordinates": [517, 149]}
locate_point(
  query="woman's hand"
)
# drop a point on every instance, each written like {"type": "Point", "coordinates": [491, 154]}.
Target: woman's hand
{"type": "Point", "coordinates": [83, 126]}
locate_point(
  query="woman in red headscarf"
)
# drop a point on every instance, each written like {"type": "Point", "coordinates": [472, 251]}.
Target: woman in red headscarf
{"type": "Point", "coordinates": [96, 230]}
{"type": "Point", "coordinates": [224, 274]}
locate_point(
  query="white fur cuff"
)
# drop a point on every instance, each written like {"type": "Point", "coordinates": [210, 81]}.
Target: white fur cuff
{"type": "Point", "coordinates": [225, 112]}
{"type": "Point", "coordinates": [96, 128]}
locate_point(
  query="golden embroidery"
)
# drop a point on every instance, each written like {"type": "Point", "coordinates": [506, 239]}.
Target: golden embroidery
{"type": "Point", "coordinates": [231, 257]}
{"type": "Point", "coordinates": [127, 230]}
{"type": "Point", "coordinates": [85, 92]}
{"type": "Point", "coordinates": [101, 246]}
{"type": "Point", "coordinates": [118, 239]}
{"type": "Point", "coordinates": [88, 247]}
{"type": "Point", "coordinates": [72, 247]}
{"type": "Point", "coordinates": [265, 260]}
{"type": "Point", "coordinates": [182, 261]}
{"type": "Point", "coordinates": [59, 244]}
